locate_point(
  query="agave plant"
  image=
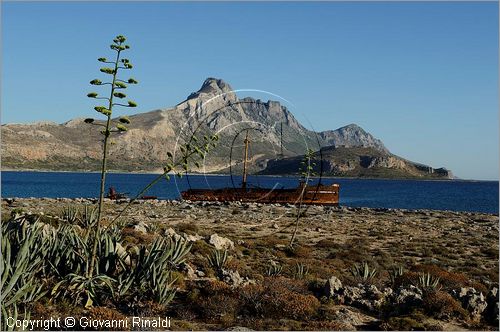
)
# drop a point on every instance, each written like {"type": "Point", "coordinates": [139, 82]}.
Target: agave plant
{"type": "Point", "coordinates": [218, 259]}
{"type": "Point", "coordinates": [149, 273]}
{"type": "Point", "coordinates": [300, 271]}
{"type": "Point", "coordinates": [363, 272]}
{"type": "Point", "coordinates": [70, 214]}
{"type": "Point", "coordinates": [19, 263]}
{"type": "Point", "coordinates": [428, 282]}
{"type": "Point", "coordinates": [89, 217]}
{"type": "Point", "coordinates": [395, 273]}
{"type": "Point", "coordinates": [274, 269]}
{"type": "Point", "coordinates": [81, 286]}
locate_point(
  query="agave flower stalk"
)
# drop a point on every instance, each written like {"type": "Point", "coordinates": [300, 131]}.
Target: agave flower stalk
{"type": "Point", "coordinates": [116, 84]}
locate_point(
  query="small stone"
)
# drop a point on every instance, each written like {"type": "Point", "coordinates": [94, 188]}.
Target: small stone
{"type": "Point", "coordinates": [141, 227]}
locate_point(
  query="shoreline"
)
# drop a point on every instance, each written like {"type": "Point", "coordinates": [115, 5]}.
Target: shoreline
{"type": "Point", "coordinates": [254, 175]}
{"type": "Point", "coordinates": [161, 202]}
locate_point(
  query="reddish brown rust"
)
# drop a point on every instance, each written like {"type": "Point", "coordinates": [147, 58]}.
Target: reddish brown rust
{"type": "Point", "coordinates": [313, 195]}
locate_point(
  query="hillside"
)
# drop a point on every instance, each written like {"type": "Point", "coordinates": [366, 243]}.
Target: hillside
{"type": "Point", "coordinates": [75, 145]}
{"type": "Point", "coordinates": [357, 162]}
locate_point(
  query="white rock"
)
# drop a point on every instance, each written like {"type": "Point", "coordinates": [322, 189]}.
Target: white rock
{"type": "Point", "coordinates": [220, 242]}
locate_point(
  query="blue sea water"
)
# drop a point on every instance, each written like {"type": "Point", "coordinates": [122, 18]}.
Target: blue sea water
{"type": "Point", "coordinates": [474, 196]}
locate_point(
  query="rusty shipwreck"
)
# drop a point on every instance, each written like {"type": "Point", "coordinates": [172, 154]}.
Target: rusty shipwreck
{"type": "Point", "coordinates": [315, 194]}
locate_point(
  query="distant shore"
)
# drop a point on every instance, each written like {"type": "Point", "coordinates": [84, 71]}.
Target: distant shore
{"type": "Point", "coordinates": [225, 174]}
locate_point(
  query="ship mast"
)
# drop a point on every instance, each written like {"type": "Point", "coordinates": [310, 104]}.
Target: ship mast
{"type": "Point", "coordinates": [244, 182]}
{"type": "Point", "coordinates": [281, 140]}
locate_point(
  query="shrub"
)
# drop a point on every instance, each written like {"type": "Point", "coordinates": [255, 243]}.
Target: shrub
{"type": "Point", "coordinates": [299, 252]}
{"type": "Point", "coordinates": [325, 243]}
{"type": "Point", "coordinates": [448, 280]}
{"type": "Point", "coordinates": [442, 305]}
{"type": "Point", "coordinates": [279, 297]}
{"type": "Point", "coordinates": [188, 228]}
{"type": "Point", "coordinates": [406, 279]}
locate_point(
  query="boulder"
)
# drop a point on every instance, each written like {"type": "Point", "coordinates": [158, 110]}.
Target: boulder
{"type": "Point", "coordinates": [404, 299]}
{"type": "Point", "coordinates": [366, 297]}
{"type": "Point", "coordinates": [140, 226]}
{"type": "Point", "coordinates": [472, 300]}
{"type": "Point", "coordinates": [170, 232]}
{"type": "Point", "coordinates": [122, 253]}
{"type": "Point", "coordinates": [220, 242]}
{"type": "Point", "coordinates": [232, 278]}
{"type": "Point", "coordinates": [192, 238]}
{"type": "Point", "coordinates": [491, 313]}
{"type": "Point", "coordinates": [332, 287]}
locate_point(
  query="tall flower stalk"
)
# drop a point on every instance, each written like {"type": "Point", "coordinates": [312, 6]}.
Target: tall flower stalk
{"type": "Point", "coordinates": [110, 126]}
{"type": "Point", "coordinates": [306, 171]}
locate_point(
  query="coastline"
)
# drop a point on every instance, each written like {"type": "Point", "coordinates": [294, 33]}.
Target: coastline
{"type": "Point", "coordinates": [253, 175]}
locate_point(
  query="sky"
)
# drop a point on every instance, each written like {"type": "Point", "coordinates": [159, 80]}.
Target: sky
{"type": "Point", "coordinates": [420, 76]}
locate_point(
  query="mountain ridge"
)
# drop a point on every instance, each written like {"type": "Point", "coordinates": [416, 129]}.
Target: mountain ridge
{"type": "Point", "coordinates": [214, 107]}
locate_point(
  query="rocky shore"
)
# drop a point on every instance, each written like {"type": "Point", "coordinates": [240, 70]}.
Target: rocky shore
{"type": "Point", "coordinates": [458, 249]}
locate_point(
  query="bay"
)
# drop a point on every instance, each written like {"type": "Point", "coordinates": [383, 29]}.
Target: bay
{"type": "Point", "coordinates": [455, 195]}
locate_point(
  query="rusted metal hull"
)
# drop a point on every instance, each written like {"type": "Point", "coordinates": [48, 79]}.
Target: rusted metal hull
{"type": "Point", "coordinates": [312, 195]}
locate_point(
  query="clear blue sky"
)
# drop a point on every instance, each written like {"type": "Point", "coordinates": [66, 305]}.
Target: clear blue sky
{"type": "Point", "coordinates": [423, 77]}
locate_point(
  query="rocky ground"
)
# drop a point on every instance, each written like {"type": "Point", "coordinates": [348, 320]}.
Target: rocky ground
{"type": "Point", "coordinates": [460, 250]}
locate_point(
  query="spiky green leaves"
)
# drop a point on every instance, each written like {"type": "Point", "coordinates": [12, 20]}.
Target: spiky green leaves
{"type": "Point", "coordinates": [132, 81]}
{"type": "Point", "coordinates": [131, 104]}
{"type": "Point", "coordinates": [121, 127]}
{"type": "Point", "coordinates": [118, 44]}
{"type": "Point", "coordinates": [102, 59]}
{"type": "Point", "coordinates": [103, 110]}
{"type": "Point", "coordinates": [120, 39]}
{"type": "Point", "coordinates": [96, 82]}
{"type": "Point", "coordinates": [119, 95]}
{"type": "Point", "coordinates": [307, 165]}
{"type": "Point", "coordinates": [107, 70]}
{"type": "Point", "coordinates": [120, 85]}
{"type": "Point", "coordinates": [92, 95]}
{"type": "Point", "coordinates": [191, 153]}
{"type": "Point", "coordinates": [124, 119]}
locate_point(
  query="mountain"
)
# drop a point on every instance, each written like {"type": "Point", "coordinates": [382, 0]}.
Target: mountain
{"type": "Point", "coordinates": [357, 161]}
{"type": "Point", "coordinates": [215, 107]}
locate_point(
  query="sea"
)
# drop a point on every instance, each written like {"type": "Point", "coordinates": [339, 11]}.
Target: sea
{"type": "Point", "coordinates": [452, 195]}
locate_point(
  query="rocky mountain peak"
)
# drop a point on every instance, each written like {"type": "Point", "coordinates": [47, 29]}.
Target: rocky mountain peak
{"type": "Point", "coordinates": [353, 135]}
{"type": "Point", "coordinates": [213, 87]}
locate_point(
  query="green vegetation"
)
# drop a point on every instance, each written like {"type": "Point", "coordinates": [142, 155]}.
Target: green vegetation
{"type": "Point", "coordinates": [145, 273]}
{"type": "Point", "coordinates": [306, 170]}
{"type": "Point", "coordinates": [363, 273]}
{"type": "Point", "coordinates": [40, 259]}
{"type": "Point", "coordinates": [218, 260]}
{"type": "Point", "coordinates": [109, 127]}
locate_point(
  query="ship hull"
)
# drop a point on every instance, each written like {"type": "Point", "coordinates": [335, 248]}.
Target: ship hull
{"type": "Point", "coordinates": [312, 195]}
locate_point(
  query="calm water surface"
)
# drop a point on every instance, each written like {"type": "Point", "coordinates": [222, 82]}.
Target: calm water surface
{"type": "Point", "coordinates": [480, 196]}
